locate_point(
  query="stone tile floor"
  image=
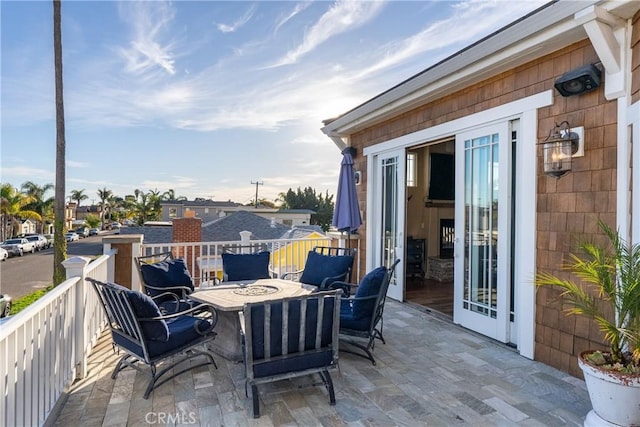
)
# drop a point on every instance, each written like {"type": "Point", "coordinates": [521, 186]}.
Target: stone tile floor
{"type": "Point", "coordinates": [429, 373]}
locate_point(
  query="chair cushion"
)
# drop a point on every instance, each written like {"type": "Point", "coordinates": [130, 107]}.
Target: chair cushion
{"type": "Point", "coordinates": [182, 333]}
{"type": "Point", "coordinates": [167, 273]}
{"type": "Point", "coordinates": [144, 307]}
{"type": "Point", "coordinates": [319, 266]}
{"type": "Point", "coordinates": [348, 320]}
{"type": "Point", "coordinates": [369, 285]}
{"type": "Point", "coordinates": [246, 266]}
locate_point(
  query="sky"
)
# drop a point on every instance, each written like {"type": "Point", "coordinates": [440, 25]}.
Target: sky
{"type": "Point", "coordinates": [208, 97]}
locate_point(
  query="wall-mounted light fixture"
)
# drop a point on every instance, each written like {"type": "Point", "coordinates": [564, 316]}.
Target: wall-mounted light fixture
{"type": "Point", "coordinates": [558, 149]}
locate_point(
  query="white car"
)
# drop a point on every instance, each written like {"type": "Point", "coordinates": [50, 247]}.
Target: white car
{"type": "Point", "coordinates": [38, 240]}
{"type": "Point", "coordinates": [3, 254]}
{"type": "Point", "coordinates": [71, 236]}
{"type": "Point", "coordinates": [18, 246]}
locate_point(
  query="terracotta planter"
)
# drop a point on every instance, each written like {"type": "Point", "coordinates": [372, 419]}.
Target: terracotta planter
{"type": "Point", "coordinates": [615, 397]}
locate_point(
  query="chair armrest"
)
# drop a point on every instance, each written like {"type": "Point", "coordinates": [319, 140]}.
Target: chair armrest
{"type": "Point", "coordinates": [328, 281]}
{"type": "Point", "coordinates": [346, 287]}
{"type": "Point", "coordinates": [193, 311]}
{"type": "Point", "coordinates": [370, 297]}
{"type": "Point", "coordinates": [290, 273]}
{"type": "Point", "coordinates": [185, 290]}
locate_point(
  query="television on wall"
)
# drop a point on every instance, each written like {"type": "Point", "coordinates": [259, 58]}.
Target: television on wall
{"type": "Point", "coordinates": [441, 177]}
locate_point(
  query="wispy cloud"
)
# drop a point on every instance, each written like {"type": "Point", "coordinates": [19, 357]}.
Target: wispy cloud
{"type": "Point", "coordinates": [246, 17]}
{"type": "Point", "coordinates": [299, 7]}
{"type": "Point", "coordinates": [341, 17]}
{"type": "Point", "coordinates": [149, 22]}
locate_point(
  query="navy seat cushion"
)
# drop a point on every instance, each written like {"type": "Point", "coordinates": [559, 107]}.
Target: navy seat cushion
{"type": "Point", "coordinates": [182, 333]}
{"type": "Point", "coordinates": [246, 266]}
{"type": "Point", "coordinates": [167, 273]}
{"type": "Point", "coordinates": [319, 266]}
{"type": "Point", "coordinates": [369, 285]}
{"type": "Point", "coordinates": [348, 320]}
{"type": "Point", "coordinates": [295, 361]}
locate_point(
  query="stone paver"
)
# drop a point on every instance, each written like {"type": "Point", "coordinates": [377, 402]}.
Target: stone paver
{"type": "Point", "coordinates": [429, 373]}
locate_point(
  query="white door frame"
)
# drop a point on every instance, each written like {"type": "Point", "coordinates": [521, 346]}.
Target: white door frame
{"type": "Point", "coordinates": [376, 249]}
{"type": "Point", "coordinates": [524, 266]}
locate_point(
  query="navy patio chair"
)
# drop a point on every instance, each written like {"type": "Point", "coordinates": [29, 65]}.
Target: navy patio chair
{"type": "Point", "coordinates": [148, 338]}
{"type": "Point", "coordinates": [167, 280]}
{"type": "Point", "coordinates": [324, 266]}
{"type": "Point", "coordinates": [289, 338]}
{"type": "Point", "coordinates": [361, 316]}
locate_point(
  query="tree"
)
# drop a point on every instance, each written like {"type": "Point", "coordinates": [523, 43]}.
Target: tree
{"type": "Point", "coordinates": [145, 206]}
{"type": "Point", "coordinates": [13, 206]}
{"type": "Point", "coordinates": [105, 203]}
{"type": "Point", "coordinates": [59, 242]}
{"type": "Point", "coordinates": [308, 199]}
{"type": "Point", "coordinates": [38, 203]}
{"type": "Point", "coordinates": [78, 196]}
{"type": "Point", "coordinates": [92, 221]}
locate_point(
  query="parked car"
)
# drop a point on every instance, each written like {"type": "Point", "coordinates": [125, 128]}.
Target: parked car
{"type": "Point", "coordinates": [49, 238]}
{"type": "Point", "coordinates": [94, 231]}
{"type": "Point", "coordinates": [5, 305]}
{"type": "Point", "coordinates": [71, 236]}
{"type": "Point", "coordinates": [18, 246]}
{"type": "Point", "coordinates": [82, 232]}
{"type": "Point", "coordinates": [3, 254]}
{"type": "Point", "coordinates": [115, 225]}
{"type": "Point", "coordinates": [38, 240]}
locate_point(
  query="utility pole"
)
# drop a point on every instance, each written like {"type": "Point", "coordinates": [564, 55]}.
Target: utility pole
{"type": "Point", "coordinates": [257, 183]}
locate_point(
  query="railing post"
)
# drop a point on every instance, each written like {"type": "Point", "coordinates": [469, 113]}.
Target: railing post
{"type": "Point", "coordinates": [245, 238]}
{"type": "Point", "coordinates": [75, 267]}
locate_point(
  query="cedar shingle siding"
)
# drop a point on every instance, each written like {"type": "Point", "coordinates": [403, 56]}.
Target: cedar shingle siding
{"type": "Point", "coordinates": [568, 208]}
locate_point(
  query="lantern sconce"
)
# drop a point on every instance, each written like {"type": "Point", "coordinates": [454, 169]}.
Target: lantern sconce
{"type": "Point", "coordinates": [562, 144]}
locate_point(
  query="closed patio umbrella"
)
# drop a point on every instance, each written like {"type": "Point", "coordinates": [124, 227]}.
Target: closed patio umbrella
{"type": "Point", "coordinates": [346, 214]}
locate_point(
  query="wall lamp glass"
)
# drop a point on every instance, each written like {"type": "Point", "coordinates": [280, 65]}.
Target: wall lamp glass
{"type": "Point", "coordinates": [558, 149]}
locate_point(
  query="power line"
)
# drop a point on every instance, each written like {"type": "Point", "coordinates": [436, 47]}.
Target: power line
{"type": "Point", "coordinates": [257, 183]}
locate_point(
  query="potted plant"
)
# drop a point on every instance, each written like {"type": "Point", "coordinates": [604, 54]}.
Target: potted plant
{"type": "Point", "coordinates": [609, 293]}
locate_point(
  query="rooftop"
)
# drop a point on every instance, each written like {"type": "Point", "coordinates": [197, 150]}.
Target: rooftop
{"type": "Point", "coordinates": [430, 372]}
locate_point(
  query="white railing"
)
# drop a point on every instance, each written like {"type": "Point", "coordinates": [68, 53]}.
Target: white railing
{"type": "Point", "coordinates": [45, 347]}
{"type": "Point", "coordinates": [287, 255]}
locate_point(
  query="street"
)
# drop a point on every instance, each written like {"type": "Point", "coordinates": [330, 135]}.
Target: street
{"type": "Point", "coordinates": [20, 276]}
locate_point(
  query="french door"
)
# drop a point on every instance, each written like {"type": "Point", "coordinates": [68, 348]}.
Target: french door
{"type": "Point", "coordinates": [388, 216]}
{"type": "Point", "coordinates": [483, 209]}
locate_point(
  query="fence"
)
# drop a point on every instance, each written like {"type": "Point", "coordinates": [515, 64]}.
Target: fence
{"type": "Point", "coordinates": [45, 347]}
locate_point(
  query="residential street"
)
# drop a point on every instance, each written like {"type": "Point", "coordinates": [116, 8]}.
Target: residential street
{"type": "Point", "coordinates": [20, 276]}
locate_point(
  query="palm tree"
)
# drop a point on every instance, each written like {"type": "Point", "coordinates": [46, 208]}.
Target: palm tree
{"type": "Point", "coordinates": [59, 242]}
{"type": "Point", "coordinates": [78, 196]}
{"type": "Point", "coordinates": [13, 206]}
{"type": "Point", "coordinates": [105, 202]}
{"type": "Point", "coordinates": [38, 203]}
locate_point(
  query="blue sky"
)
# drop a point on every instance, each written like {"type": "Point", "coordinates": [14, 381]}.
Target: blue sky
{"type": "Point", "coordinates": [204, 97]}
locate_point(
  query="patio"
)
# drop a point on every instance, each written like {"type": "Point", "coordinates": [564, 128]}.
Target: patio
{"type": "Point", "coordinates": [430, 372]}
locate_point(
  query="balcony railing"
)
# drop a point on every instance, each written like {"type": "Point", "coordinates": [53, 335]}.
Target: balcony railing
{"type": "Point", "coordinates": [45, 347]}
{"type": "Point", "coordinates": [204, 258]}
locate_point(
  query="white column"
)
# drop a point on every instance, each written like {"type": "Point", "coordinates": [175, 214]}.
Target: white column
{"type": "Point", "coordinates": [245, 237]}
{"type": "Point", "coordinates": [75, 267]}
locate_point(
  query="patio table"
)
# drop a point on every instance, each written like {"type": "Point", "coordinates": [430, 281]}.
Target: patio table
{"type": "Point", "coordinates": [229, 298]}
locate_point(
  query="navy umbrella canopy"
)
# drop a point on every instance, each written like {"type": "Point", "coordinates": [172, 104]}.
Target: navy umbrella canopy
{"type": "Point", "coordinates": [346, 214]}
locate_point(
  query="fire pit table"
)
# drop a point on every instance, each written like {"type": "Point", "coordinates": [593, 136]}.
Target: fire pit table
{"type": "Point", "coordinates": [229, 299]}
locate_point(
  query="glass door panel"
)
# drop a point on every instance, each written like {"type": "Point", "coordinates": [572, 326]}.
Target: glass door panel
{"type": "Point", "coordinates": [389, 193]}
{"type": "Point", "coordinates": [482, 232]}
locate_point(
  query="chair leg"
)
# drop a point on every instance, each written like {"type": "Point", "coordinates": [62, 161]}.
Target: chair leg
{"type": "Point", "coordinates": [120, 366]}
{"type": "Point", "coordinates": [256, 401]}
{"type": "Point", "coordinates": [328, 382]}
{"type": "Point", "coordinates": [365, 349]}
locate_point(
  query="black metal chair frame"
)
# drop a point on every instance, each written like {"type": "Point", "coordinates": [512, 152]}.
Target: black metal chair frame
{"type": "Point", "coordinates": [329, 251]}
{"type": "Point", "coordinates": [352, 336]}
{"type": "Point", "coordinates": [332, 346]}
{"type": "Point", "coordinates": [123, 322]}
